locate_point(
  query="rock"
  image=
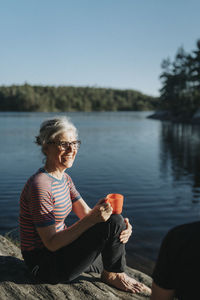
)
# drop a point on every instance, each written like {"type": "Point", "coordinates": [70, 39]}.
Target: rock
{"type": "Point", "coordinates": [196, 117]}
{"type": "Point", "coordinates": [15, 282]}
{"type": "Point", "coordinates": [182, 117]}
{"type": "Point", "coordinates": [161, 115]}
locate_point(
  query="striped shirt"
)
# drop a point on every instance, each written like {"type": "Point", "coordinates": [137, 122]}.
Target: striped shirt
{"type": "Point", "coordinates": [44, 201]}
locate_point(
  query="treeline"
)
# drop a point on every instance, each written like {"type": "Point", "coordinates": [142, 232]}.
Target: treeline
{"type": "Point", "coordinates": [67, 98]}
{"type": "Point", "coordinates": [180, 92]}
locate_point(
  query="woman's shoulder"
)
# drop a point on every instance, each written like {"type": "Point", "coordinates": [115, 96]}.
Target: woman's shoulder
{"type": "Point", "coordinates": [40, 179]}
{"type": "Point", "coordinates": [67, 176]}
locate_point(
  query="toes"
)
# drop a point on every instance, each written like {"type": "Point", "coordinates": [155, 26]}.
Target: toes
{"type": "Point", "coordinates": [140, 287]}
{"type": "Point", "coordinates": [145, 289]}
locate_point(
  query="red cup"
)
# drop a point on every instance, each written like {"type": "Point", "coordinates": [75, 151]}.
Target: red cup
{"type": "Point", "coordinates": [116, 201]}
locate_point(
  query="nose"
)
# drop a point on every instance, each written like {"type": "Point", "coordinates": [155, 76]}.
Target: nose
{"type": "Point", "coordinates": [70, 148]}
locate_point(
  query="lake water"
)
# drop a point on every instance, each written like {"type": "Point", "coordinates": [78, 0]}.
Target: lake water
{"type": "Point", "coordinates": [154, 164]}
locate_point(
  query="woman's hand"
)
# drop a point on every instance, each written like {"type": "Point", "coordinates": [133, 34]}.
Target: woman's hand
{"type": "Point", "coordinates": [101, 212]}
{"type": "Point", "coordinates": [125, 234]}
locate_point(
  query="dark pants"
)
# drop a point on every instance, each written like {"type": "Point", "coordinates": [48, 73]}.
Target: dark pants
{"type": "Point", "coordinates": [82, 255]}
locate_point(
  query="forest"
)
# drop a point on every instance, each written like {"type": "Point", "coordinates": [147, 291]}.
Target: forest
{"type": "Point", "coordinates": [180, 92]}
{"type": "Point", "coordinates": [68, 98]}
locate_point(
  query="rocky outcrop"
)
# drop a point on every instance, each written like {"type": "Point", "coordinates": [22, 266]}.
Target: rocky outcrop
{"type": "Point", "coordinates": [15, 282]}
{"type": "Point", "coordinates": [161, 115]}
{"type": "Point", "coordinates": [196, 117]}
{"type": "Point", "coordinates": [186, 117]}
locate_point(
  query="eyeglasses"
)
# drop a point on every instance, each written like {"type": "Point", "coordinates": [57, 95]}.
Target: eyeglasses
{"type": "Point", "coordinates": [66, 145]}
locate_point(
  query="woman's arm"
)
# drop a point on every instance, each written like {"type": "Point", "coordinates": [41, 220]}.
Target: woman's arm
{"type": "Point", "coordinates": [55, 240]}
{"type": "Point", "coordinates": [80, 208]}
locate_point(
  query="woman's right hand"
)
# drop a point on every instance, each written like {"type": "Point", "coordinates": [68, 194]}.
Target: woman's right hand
{"type": "Point", "coordinates": [101, 212]}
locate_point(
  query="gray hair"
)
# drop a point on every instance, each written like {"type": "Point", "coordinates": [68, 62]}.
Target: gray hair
{"type": "Point", "coordinates": [49, 129]}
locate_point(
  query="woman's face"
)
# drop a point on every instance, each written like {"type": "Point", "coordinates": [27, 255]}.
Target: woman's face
{"type": "Point", "coordinates": [59, 156]}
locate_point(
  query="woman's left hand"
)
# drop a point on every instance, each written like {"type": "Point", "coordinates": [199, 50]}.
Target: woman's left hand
{"type": "Point", "coordinates": [125, 234]}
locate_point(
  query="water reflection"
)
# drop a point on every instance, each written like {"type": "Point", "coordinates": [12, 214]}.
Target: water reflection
{"type": "Point", "coordinates": [180, 155]}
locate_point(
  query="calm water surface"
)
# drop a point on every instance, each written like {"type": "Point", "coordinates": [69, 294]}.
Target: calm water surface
{"type": "Point", "coordinates": [154, 165]}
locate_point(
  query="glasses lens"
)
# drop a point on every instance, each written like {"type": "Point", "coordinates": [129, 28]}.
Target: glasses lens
{"type": "Point", "coordinates": [66, 145]}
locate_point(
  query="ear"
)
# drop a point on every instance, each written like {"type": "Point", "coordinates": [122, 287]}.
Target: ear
{"type": "Point", "coordinates": [45, 149]}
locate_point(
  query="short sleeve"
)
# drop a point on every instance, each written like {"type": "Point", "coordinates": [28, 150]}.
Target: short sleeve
{"type": "Point", "coordinates": [41, 205]}
{"type": "Point", "coordinates": [164, 272]}
{"type": "Point", "coordinates": [74, 194]}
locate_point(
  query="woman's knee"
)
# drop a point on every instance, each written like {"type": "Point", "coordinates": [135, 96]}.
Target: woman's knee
{"type": "Point", "coordinates": [118, 221]}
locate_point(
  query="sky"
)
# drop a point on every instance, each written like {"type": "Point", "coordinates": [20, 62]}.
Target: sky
{"type": "Point", "coordinates": [97, 43]}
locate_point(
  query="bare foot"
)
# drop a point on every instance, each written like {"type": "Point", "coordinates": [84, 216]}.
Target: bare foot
{"type": "Point", "coordinates": [123, 282]}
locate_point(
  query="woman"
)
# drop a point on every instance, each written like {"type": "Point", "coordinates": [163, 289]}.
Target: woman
{"type": "Point", "coordinates": [56, 253]}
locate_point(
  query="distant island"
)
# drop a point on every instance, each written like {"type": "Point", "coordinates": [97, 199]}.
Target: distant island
{"type": "Point", "coordinates": [68, 98]}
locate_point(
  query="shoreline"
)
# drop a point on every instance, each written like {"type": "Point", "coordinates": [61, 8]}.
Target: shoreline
{"type": "Point", "coordinates": [164, 115]}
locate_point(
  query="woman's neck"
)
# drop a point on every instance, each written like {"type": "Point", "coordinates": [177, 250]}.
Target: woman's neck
{"type": "Point", "coordinates": [54, 171]}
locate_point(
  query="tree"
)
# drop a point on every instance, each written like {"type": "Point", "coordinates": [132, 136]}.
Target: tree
{"type": "Point", "coordinates": [180, 92]}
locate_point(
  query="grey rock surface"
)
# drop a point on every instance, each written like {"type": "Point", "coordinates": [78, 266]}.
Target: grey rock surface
{"type": "Point", "coordinates": [15, 282]}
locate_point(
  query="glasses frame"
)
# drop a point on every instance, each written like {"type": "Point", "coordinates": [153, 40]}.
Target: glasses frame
{"type": "Point", "coordinates": [65, 145]}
